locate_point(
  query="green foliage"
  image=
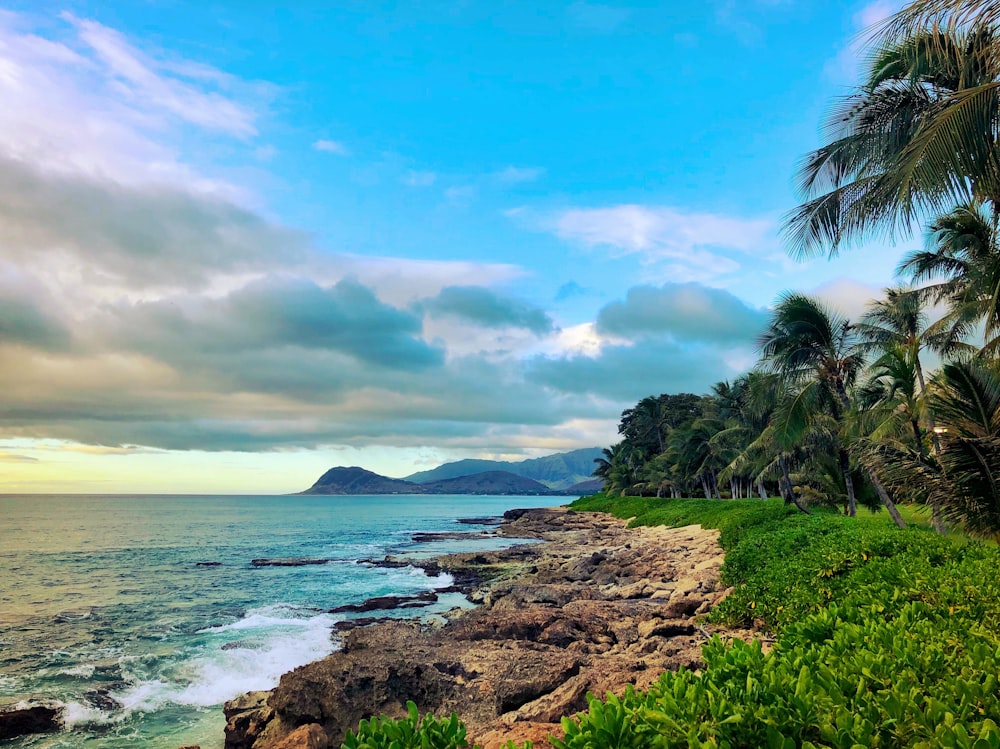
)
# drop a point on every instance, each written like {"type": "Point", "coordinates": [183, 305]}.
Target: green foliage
{"type": "Point", "coordinates": [411, 732]}
{"type": "Point", "coordinates": [886, 638]}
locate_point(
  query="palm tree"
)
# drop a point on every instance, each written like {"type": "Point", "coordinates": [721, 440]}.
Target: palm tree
{"type": "Point", "coordinates": [619, 467]}
{"type": "Point", "coordinates": [922, 14]}
{"type": "Point", "coordinates": [918, 137]}
{"type": "Point", "coordinates": [692, 451]}
{"type": "Point", "coordinates": [778, 417]}
{"type": "Point", "coordinates": [745, 407]}
{"type": "Point", "coordinates": [965, 397]}
{"type": "Point", "coordinates": [897, 327]}
{"type": "Point", "coordinates": [963, 257]}
{"type": "Point", "coordinates": [898, 319]}
{"type": "Point", "coordinates": [806, 343]}
{"type": "Point", "coordinates": [642, 425]}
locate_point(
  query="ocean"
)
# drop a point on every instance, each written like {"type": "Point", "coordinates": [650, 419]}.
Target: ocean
{"type": "Point", "coordinates": [104, 606]}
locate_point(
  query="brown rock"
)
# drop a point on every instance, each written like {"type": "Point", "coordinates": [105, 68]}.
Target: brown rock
{"type": "Point", "coordinates": [309, 736]}
{"type": "Point", "coordinates": [246, 718]}
{"type": "Point", "coordinates": [568, 698]}
{"type": "Point", "coordinates": [537, 733]}
{"type": "Point", "coordinates": [594, 608]}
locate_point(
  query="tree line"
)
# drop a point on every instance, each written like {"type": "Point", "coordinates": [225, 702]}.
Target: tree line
{"type": "Point", "coordinates": [840, 411]}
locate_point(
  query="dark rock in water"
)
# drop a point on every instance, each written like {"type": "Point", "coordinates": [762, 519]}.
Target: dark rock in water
{"type": "Point", "coordinates": [208, 564]}
{"type": "Point", "coordinates": [238, 645]}
{"type": "Point", "coordinates": [480, 521]}
{"type": "Point", "coordinates": [102, 700]}
{"type": "Point", "coordinates": [67, 617]}
{"type": "Point", "coordinates": [516, 514]}
{"type": "Point", "coordinates": [431, 537]}
{"type": "Point", "coordinates": [286, 561]}
{"type": "Point", "coordinates": [387, 563]}
{"type": "Point", "coordinates": [387, 603]}
{"type": "Point", "coordinates": [42, 718]}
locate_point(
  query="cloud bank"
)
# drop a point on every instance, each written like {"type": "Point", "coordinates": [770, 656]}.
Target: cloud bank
{"type": "Point", "coordinates": [145, 300]}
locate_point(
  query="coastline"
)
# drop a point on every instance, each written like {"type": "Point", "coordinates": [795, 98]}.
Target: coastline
{"type": "Point", "coordinates": [592, 607]}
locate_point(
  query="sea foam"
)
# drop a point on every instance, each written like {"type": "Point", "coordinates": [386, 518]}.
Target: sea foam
{"type": "Point", "coordinates": [260, 647]}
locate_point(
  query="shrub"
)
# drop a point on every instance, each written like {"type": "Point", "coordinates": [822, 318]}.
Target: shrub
{"type": "Point", "coordinates": [412, 732]}
{"type": "Point", "coordinates": [886, 638]}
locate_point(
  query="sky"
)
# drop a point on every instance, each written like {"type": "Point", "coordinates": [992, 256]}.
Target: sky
{"type": "Point", "coordinates": [241, 244]}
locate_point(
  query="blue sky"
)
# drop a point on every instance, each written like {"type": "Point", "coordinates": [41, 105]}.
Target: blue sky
{"type": "Point", "coordinates": [240, 243]}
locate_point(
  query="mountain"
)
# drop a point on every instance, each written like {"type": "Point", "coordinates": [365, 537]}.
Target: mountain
{"type": "Point", "coordinates": [590, 486]}
{"type": "Point", "coordinates": [486, 482]}
{"type": "Point", "coordinates": [352, 481]}
{"type": "Point", "coordinates": [356, 480]}
{"type": "Point", "coordinates": [559, 471]}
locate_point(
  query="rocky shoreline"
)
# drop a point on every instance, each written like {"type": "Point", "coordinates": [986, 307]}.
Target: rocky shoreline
{"type": "Point", "coordinates": [592, 608]}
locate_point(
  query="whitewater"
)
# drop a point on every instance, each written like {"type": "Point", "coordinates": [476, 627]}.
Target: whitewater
{"type": "Point", "coordinates": [143, 614]}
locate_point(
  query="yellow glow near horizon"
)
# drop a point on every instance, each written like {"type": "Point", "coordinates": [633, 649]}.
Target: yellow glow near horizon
{"type": "Point", "coordinates": [58, 467]}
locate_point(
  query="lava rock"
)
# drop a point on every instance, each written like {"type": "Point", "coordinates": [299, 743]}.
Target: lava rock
{"type": "Point", "coordinates": [26, 718]}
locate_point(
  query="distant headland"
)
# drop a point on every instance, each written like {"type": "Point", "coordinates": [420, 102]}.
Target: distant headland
{"type": "Point", "coordinates": [561, 474]}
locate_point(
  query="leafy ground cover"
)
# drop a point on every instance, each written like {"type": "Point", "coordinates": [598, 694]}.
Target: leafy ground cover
{"type": "Point", "coordinates": [881, 638]}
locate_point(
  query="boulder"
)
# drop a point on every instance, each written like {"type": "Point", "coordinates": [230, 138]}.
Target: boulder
{"type": "Point", "coordinates": [309, 736]}
{"type": "Point", "coordinates": [27, 718]}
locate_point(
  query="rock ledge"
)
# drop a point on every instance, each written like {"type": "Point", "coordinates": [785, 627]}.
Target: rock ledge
{"type": "Point", "coordinates": [593, 608]}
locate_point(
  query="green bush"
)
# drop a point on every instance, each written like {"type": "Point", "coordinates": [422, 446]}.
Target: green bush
{"type": "Point", "coordinates": [412, 732]}
{"type": "Point", "coordinates": [886, 638]}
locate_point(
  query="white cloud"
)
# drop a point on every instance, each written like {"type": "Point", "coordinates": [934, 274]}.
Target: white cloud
{"type": "Point", "coordinates": [265, 153]}
{"type": "Point", "coordinates": [513, 175]}
{"type": "Point", "coordinates": [94, 106]}
{"type": "Point", "coordinates": [461, 194]}
{"type": "Point", "coordinates": [143, 79]}
{"type": "Point", "coordinates": [331, 146]}
{"type": "Point", "coordinates": [415, 178]}
{"type": "Point", "coordinates": [687, 244]}
{"type": "Point", "coordinates": [580, 339]}
{"type": "Point", "coordinates": [661, 232]}
{"type": "Point", "coordinates": [847, 296]}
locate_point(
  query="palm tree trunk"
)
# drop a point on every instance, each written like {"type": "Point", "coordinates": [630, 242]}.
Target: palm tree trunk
{"type": "Point", "coordinates": [845, 463]}
{"type": "Point", "coordinates": [845, 467]}
{"type": "Point", "coordinates": [887, 502]}
{"type": "Point", "coordinates": [785, 485]}
{"type": "Point", "coordinates": [937, 520]}
{"type": "Point", "coordinates": [935, 441]}
{"type": "Point", "coordinates": [705, 488]}
{"type": "Point", "coordinates": [761, 489]}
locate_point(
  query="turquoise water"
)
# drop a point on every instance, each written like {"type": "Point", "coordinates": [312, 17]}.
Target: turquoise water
{"type": "Point", "coordinates": [105, 593]}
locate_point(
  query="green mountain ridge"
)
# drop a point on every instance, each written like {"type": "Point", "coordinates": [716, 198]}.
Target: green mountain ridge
{"type": "Point", "coordinates": [558, 471]}
{"type": "Point", "coordinates": [355, 481]}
